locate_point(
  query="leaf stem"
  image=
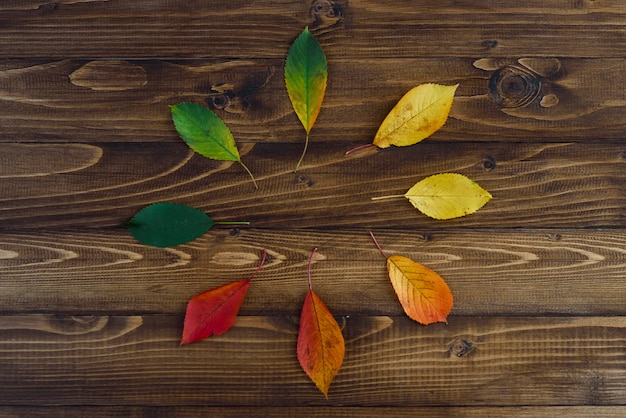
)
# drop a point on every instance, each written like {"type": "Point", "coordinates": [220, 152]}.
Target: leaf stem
{"type": "Point", "coordinates": [377, 245]}
{"type": "Point", "coordinates": [360, 147]}
{"type": "Point", "coordinates": [260, 264]}
{"type": "Point", "coordinates": [391, 196]}
{"type": "Point", "coordinates": [309, 267]}
{"type": "Point", "coordinates": [233, 223]}
{"type": "Point", "coordinates": [249, 173]}
{"type": "Point", "coordinates": [306, 145]}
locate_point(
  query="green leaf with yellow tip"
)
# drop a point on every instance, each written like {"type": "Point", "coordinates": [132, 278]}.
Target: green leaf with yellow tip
{"type": "Point", "coordinates": [306, 74]}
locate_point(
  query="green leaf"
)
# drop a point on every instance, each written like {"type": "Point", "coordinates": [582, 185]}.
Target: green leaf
{"type": "Point", "coordinates": [169, 224]}
{"type": "Point", "coordinates": [306, 73]}
{"type": "Point", "coordinates": [206, 133]}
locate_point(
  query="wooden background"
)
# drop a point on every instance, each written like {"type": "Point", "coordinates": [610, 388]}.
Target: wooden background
{"type": "Point", "coordinates": [91, 319]}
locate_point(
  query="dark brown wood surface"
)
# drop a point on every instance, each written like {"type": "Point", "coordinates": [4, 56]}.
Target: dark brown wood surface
{"type": "Point", "coordinates": [91, 319]}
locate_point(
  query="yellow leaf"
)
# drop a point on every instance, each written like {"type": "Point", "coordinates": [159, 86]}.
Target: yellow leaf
{"type": "Point", "coordinates": [447, 196]}
{"type": "Point", "coordinates": [419, 114]}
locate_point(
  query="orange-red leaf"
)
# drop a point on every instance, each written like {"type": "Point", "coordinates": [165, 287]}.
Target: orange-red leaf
{"type": "Point", "coordinates": [424, 295]}
{"type": "Point", "coordinates": [321, 347]}
{"type": "Point", "coordinates": [213, 312]}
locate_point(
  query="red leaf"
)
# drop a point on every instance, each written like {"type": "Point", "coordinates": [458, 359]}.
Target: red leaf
{"type": "Point", "coordinates": [213, 312]}
{"type": "Point", "coordinates": [321, 347]}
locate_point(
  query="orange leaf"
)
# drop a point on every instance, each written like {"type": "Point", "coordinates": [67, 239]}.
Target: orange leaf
{"type": "Point", "coordinates": [214, 312]}
{"type": "Point", "coordinates": [321, 347]}
{"type": "Point", "coordinates": [424, 295]}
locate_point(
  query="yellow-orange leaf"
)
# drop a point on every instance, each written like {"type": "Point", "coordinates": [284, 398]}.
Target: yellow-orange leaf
{"type": "Point", "coordinates": [447, 196]}
{"type": "Point", "coordinates": [418, 114]}
{"type": "Point", "coordinates": [321, 347]}
{"type": "Point", "coordinates": [424, 295]}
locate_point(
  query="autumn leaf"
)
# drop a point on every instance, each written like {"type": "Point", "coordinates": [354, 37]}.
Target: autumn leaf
{"type": "Point", "coordinates": [419, 113]}
{"type": "Point", "coordinates": [306, 73]}
{"type": "Point", "coordinates": [445, 196]}
{"type": "Point", "coordinates": [321, 346]}
{"type": "Point", "coordinates": [423, 294]}
{"type": "Point", "coordinates": [206, 133]}
{"type": "Point", "coordinates": [214, 312]}
{"type": "Point", "coordinates": [169, 224]}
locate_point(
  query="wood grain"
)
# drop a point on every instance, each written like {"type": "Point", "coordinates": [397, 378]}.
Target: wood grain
{"type": "Point", "coordinates": [91, 319]}
{"type": "Point", "coordinates": [518, 99]}
{"type": "Point", "coordinates": [491, 272]}
{"type": "Point", "coordinates": [533, 184]}
{"type": "Point", "coordinates": [317, 411]}
{"type": "Point", "coordinates": [389, 361]}
{"type": "Point", "coordinates": [266, 28]}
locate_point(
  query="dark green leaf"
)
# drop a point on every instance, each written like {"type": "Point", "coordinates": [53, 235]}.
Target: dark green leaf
{"type": "Point", "coordinates": [169, 224]}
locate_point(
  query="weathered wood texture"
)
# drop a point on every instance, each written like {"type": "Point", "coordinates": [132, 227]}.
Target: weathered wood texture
{"type": "Point", "coordinates": [389, 361]}
{"type": "Point", "coordinates": [316, 411]}
{"type": "Point", "coordinates": [265, 28]}
{"type": "Point", "coordinates": [491, 272]}
{"type": "Point", "coordinates": [533, 184]}
{"type": "Point", "coordinates": [512, 100]}
{"type": "Point", "coordinates": [91, 319]}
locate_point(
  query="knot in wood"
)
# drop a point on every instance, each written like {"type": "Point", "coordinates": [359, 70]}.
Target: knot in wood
{"type": "Point", "coordinates": [301, 179]}
{"type": "Point", "coordinates": [489, 163]}
{"type": "Point", "coordinates": [554, 237]}
{"type": "Point", "coordinates": [515, 86]}
{"type": "Point", "coordinates": [228, 101]}
{"type": "Point", "coordinates": [48, 8]}
{"type": "Point", "coordinates": [426, 237]}
{"type": "Point", "coordinates": [325, 13]}
{"type": "Point", "coordinates": [461, 347]}
{"type": "Point", "coordinates": [218, 101]}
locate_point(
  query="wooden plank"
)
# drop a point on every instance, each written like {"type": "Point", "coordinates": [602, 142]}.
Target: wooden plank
{"type": "Point", "coordinates": [533, 184]}
{"type": "Point", "coordinates": [265, 28]}
{"type": "Point", "coordinates": [491, 272]}
{"type": "Point", "coordinates": [389, 361]}
{"type": "Point", "coordinates": [317, 411]}
{"type": "Point", "coordinates": [127, 100]}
